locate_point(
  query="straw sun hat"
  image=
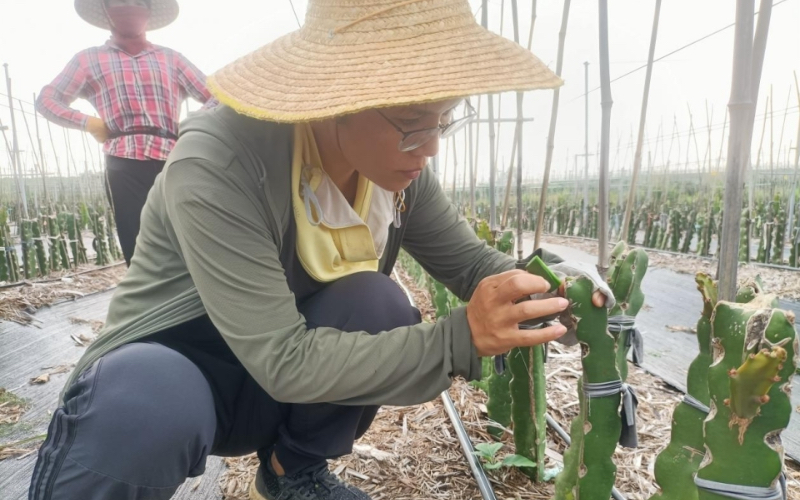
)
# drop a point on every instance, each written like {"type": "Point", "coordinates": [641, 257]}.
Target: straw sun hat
{"type": "Point", "coordinates": [352, 55]}
{"type": "Point", "coordinates": [162, 13]}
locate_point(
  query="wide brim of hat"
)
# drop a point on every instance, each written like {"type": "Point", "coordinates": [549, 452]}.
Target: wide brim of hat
{"type": "Point", "coordinates": [293, 79]}
{"type": "Point", "coordinates": [162, 13]}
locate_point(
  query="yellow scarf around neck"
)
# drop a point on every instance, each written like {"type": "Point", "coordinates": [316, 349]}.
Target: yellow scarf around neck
{"type": "Point", "coordinates": [333, 241]}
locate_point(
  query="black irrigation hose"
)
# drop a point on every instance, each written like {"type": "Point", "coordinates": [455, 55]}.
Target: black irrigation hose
{"type": "Point", "coordinates": [484, 485]}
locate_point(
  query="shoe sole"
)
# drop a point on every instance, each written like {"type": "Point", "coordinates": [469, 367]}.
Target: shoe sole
{"type": "Point", "coordinates": [253, 492]}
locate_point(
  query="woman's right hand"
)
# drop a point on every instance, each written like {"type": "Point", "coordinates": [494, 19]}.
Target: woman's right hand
{"type": "Point", "coordinates": [494, 314]}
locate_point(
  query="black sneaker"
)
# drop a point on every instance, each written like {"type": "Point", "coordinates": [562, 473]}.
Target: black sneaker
{"type": "Point", "coordinates": [313, 484]}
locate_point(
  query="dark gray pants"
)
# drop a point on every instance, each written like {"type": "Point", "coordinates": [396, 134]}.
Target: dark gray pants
{"type": "Point", "coordinates": [127, 184]}
{"type": "Point", "coordinates": [144, 417]}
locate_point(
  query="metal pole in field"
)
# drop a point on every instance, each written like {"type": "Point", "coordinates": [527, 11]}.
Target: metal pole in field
{"type": "Point", "coordinates": [605, 137]}
{"type": "Point", "coordinates": [15, 161]}
{"type": "Point", "coordinates": [637, 159]}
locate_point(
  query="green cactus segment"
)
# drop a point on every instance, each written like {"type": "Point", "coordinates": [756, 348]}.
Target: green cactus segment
{"type": "Point", "coordinates": [676, 465]}
{"type": "Point", "coordinates": [744, 237]}
{"type": "Point", "coordinates": [567, 480]}
{"type": "Point", "coordinates": [28, 250]}
{"type": "Point", "coordinates": [38, 243]}
{"type": "Point", "coordinates": [527, 411]}
{"type": "Point", "coordinates": [537, 267]}
{"type": "Point", "coordinates": [99, 243]}
{"type": "Point", "coordinates": [505, 243]}
{"type": "Point", "coordinates": [626, 272]}
{"type": "Point", "coordinates": [750, 384]}
{"type": "Point", "coordinates": [498, 405]}
{"type": "Point", "coordinates": [751, 454]}
{"type": "Point", "coordinates": [597, 430]}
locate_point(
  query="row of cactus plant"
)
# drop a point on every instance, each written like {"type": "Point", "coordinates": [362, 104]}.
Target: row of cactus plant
{"type": "Point", "coordinates": [46, 248]}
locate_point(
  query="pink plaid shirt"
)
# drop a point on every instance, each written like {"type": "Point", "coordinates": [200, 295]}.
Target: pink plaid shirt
{"type": "Point", "coordinates": [129, 93]}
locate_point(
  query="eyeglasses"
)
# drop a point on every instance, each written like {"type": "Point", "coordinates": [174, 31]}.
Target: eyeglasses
{"type": "Point", "coordinates": [415, 138]}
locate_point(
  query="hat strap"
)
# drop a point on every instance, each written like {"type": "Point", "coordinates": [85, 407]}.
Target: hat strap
{"type": "Point", "coordinates": [374, 14]}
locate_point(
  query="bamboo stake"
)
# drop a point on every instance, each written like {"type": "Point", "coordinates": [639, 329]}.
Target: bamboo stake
{"type": "Point", "coordinates": [58, 164]}
{"type": "Point", "coordinates": [585, 220]}
{"type": "Point", "coordinates": [455, 168]}
{"type": "Point", "coordinates": [465, 174]}
{"type": "Point", "coordinates": [753, 171]}
{"type": "Point", "coordinates": [795, 239]}
{"type": "Point", "coordinates": [518, 141]}
{"type": "Point", "coordinates": [605, 136]}
{"type": "Point", "coordinates": [637, 159]}
{"type": "Point", "coordinates": [500, 96]}
{"type": "Point", "coordinates": [783, 123]}
{"type": "Point", "coordinates": [41, 153]}
{"type": "Point", "coordinates": [771, 145]}
{"type": "Point", "coordinates": [36, 161]}
{"type": "Point", "coordinates": [740, 105]}
{"type": "Point", "coordinates": [722, 141]}
{"type": "Point", "coordinates": [707, 154]}
{"type": "Point", "coordinates": [759, 49]}
{"type": "Point", "coordinates": [562, 36]}
{"type": "Point", "coordinates": [696, 146]}
{"type": "Point", "coordinates": [15, 163]}
{"type": "Point", "coordinates": [510, 176]}
{"type": "Point", "coordinates": [493, 164]}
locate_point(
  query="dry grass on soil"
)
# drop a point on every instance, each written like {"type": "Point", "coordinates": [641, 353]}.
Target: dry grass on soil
{"type": "Point", "coordinates": [783, 283]}
{"type": "Point", "coordinates": [413, 452]}
{"type": "Point", "coordinates": [20, 301]}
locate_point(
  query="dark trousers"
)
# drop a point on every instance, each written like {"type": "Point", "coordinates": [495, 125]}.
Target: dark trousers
{"type": "Point", "coordinates": [144, 417]}
{"type": "Point", "coordinates": [127, 184]}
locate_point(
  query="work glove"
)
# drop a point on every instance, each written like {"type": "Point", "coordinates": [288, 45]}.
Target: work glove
{"type": "Point", "coordinates": [97, 128]}
{"type": "Point", "coordinates": [577, 269]}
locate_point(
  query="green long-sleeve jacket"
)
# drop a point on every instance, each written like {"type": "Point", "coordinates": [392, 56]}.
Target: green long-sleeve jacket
{"type": "Point", "coordinates": [210, 241]}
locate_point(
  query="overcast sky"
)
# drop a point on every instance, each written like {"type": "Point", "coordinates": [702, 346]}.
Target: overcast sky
{"type": "Point", "coordinates": [38, 38]}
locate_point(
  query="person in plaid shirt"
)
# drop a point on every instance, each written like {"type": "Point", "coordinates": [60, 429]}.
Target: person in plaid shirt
{"type": "Point", "coordinates": [137, 89]}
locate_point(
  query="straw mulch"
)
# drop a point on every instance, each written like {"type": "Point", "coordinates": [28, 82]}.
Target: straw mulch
{"type": "Point", "coordinates": [11, 410]}
{"type": "Point", "coordinates": [782, 282]}
{"type": "Point", "coordinates": [413, 452]}
{"type": "Point", "coordinates": [18, 302]}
